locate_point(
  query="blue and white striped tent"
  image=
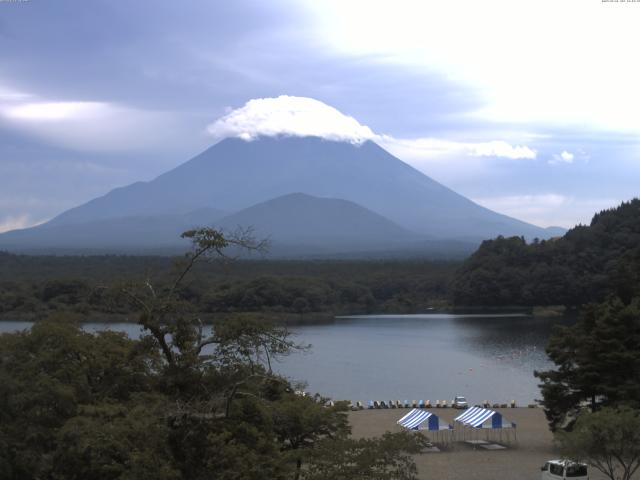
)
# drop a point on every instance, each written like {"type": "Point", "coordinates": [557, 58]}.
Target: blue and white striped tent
{"type": "Point", "coordinates": [416, 419]}
{"type": "Point", "coordinates": [478, 417]}
{"type": "Point", "coordinates": [419, 419]}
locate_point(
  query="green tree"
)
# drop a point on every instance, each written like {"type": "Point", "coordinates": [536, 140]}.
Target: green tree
{"type": "Point", "coordinates": [171, 322]}
{"type": "Point", "coordinates": [116, 441]}
{"type": "Point", "coordinates": [597, 362]}
{"type": "Point", "coordinates": [385, 458]}
{"type": "Point", "coordinates": [608, 440]}
{"type": "Point", "coordinates": [301, 422]}
{"type": "Point", "coordinates": [48, 374]}
{"type": "Point", "coordinates": [300, 305]}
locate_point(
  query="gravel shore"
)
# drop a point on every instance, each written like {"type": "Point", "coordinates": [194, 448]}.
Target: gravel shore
{"type": "Point", "coordinates": [520, 461]}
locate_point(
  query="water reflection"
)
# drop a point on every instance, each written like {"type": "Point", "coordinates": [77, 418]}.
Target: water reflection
{"type": "Point", "coordinates": [517, 341]}
{"type": "Point", "coordinates": [434, 356]}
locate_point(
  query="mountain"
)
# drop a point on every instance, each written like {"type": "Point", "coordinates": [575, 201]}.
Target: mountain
{"type": "Point", "coordinates": [234, 174]}
{"type": "Point", "coordinates": [302, 225]}
{"type": "Point", "coordinates": [304, 220]}
{"type": "Point", "coordinates": [295, 225]}
{"type": "Point", "coordinates": [296, 222]}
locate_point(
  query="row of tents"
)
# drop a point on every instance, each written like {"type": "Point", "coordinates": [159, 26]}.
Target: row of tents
{"type": "Point", "coordinates": [467, 426]}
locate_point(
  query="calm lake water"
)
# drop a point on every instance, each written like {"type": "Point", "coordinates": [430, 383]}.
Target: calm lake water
{"type": "Point", "coordinates": [432, 356]}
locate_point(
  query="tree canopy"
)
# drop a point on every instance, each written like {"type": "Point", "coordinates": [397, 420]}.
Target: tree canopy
{"type": "Point", "coordinates": [184, 401]}
{"type": "Point", "coordinates": [295, 291]}
{"type": "Point", "coordinates": [585, 265]}
{"type": "Point", "coordinates": [609, 440]}
{"type": "Point", "coordinates": [597, 362]}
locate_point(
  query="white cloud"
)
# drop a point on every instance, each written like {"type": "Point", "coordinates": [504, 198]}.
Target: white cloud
{"type": "Point", "coordinates": [432, 148]}
{"type": "Point", "coordinates": [55, 111]}
{"type": "Point", "coordinates": [8, 94]}
{"type": "Point", "coordinates": [549, 209]}
{"type": "Point", "coordinates": [563, 157]}
{"type": "Point", "coordinates": [566, 156]}
{"type": "Point", "coordinates": [301, 116]}
{"type": "Point", "coordinates": [542, 210]}
{"type": "Point", "coordinates": [544, 200]}
{"type": "Point", "coordinates": [420, 148]}
{"type": "Point", "coordinates": [500, 149]}
{"type": "Point", "coordinates": [18, 222]}
{"type": "Point", "coordinates": [90, 125]}
{"type": "Point", "coordinates": [521, 75]}
{"type": "Point", "coordinates": [289, 116]}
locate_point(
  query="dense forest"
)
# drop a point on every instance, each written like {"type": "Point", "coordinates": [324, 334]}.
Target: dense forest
{"type": "Point", "coordinates": [32, 287]}
{"type": "Point", "coordinates": [585, 265]}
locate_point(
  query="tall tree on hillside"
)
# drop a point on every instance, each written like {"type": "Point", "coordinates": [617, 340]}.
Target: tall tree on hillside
{"type": "Point", "coordinates": [169, 320]}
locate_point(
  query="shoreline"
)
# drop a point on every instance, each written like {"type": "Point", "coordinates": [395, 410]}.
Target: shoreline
{"type": "Point", "coordinates": [307, 318]}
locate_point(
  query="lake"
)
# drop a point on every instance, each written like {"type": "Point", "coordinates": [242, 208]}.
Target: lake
{"type": "Point", "coordinates": [431, 356]}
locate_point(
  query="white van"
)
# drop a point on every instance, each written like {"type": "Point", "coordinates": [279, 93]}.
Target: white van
{"type": "Point", "coordinates": [557, 469]}
{"type": "Point", "coordinates": [459, 402]}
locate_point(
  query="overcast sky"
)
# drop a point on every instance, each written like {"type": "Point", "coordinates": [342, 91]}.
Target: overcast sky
{"type": "Point", "coordinates": [531, 108]}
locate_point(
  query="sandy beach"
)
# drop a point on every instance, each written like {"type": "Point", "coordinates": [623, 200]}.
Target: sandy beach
{"type": "Point", "coordinates": [520, 461]}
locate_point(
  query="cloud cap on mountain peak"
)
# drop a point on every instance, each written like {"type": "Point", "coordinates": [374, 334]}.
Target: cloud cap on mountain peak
{"type": "Point", "coordinates": [307, 117]}
{"type": "Point", "coordinates": [290, 116]}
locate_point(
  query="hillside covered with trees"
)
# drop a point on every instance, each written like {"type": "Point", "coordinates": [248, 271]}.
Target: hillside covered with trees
{"type": "Point", "coordinates": [585, 265]}
{"type": "Point", "coordinates": [31, 287]}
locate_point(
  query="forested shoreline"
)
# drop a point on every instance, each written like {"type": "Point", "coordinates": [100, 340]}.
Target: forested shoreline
{"type": "Point", "coordinates": [294, 291]}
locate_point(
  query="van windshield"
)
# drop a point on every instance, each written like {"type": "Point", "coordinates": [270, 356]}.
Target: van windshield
{"type": "Point", "coordinates": [556, 469]}
{"type": "Point", "coordinates": [576, 471]}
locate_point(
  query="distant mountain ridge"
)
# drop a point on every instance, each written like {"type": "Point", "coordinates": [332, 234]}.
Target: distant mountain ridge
{"type": "Point", "coordinates": [297, 221]}
{"type": "Point", "coordinates": [118, 234]}
{"type": "Point", "coordinates": [234, 175]}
